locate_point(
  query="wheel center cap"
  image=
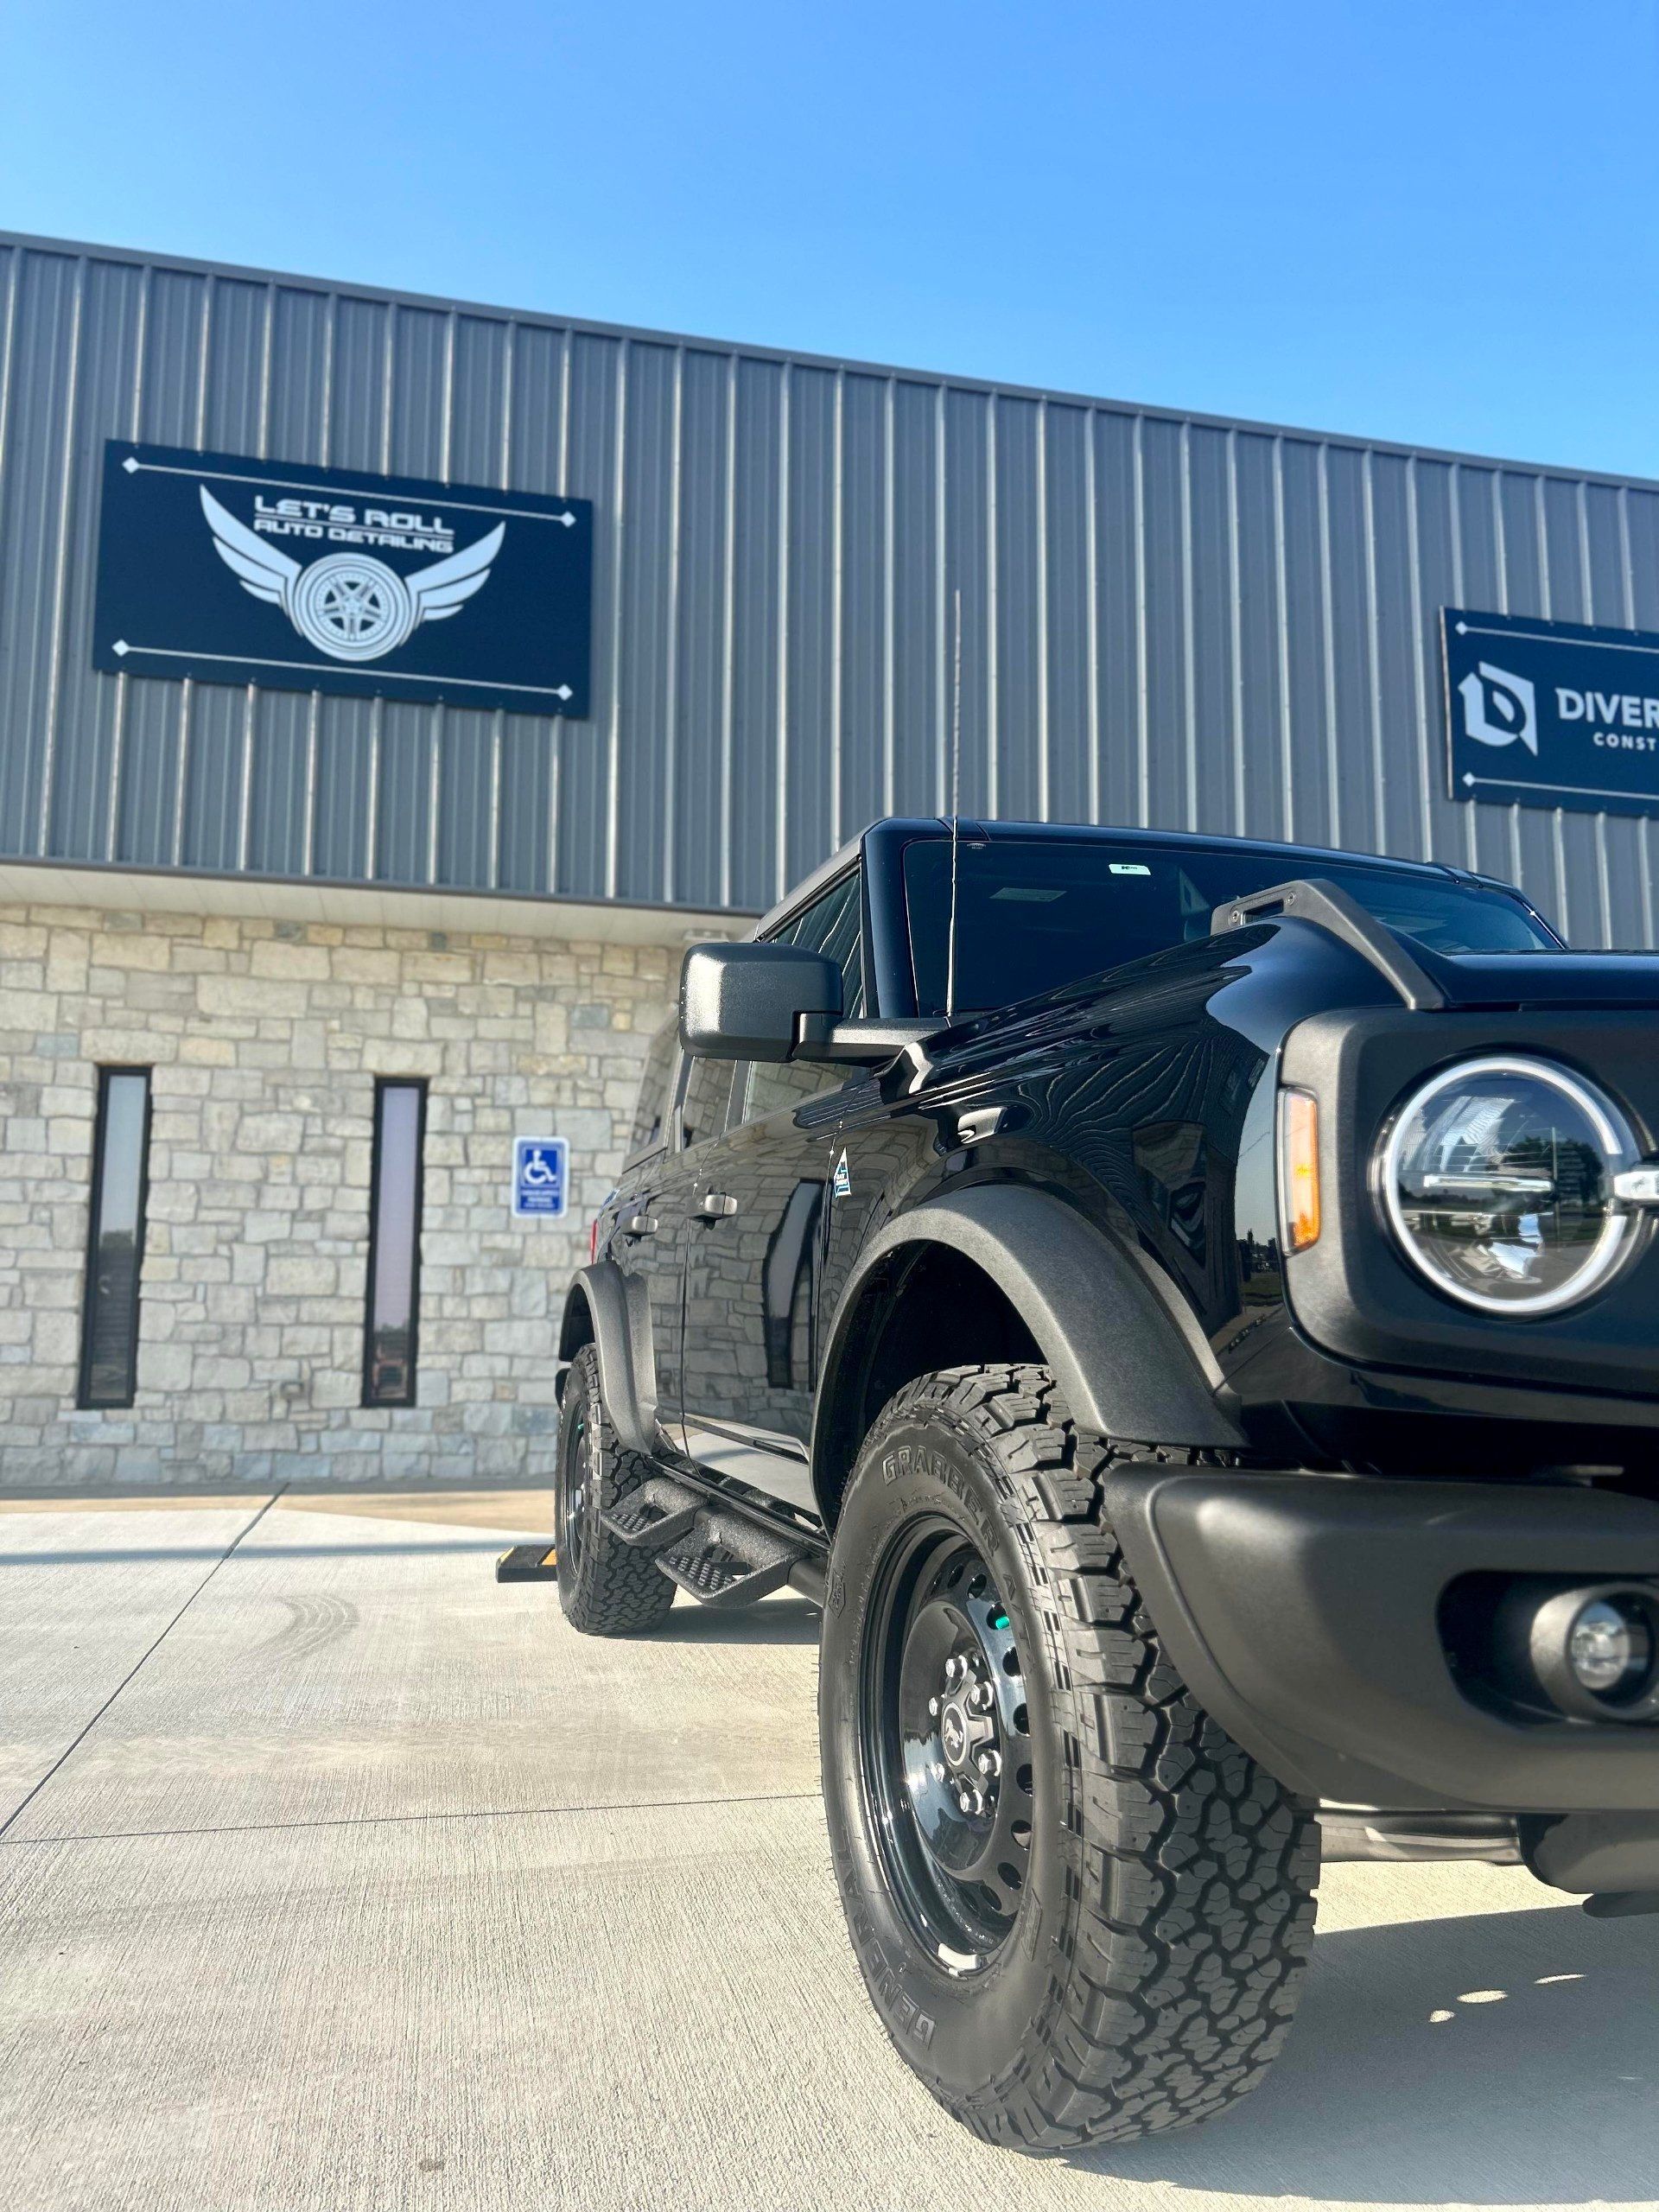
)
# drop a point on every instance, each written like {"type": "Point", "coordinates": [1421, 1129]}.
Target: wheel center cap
{"type": "Point", "coordinates": [953, 1734]}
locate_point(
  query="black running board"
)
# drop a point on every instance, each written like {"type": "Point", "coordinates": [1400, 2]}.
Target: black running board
{"type": "Point", "coordinates": [717, 1553]}
{"type": "Point", "coordinates": [724, 1559]}
{"type": "Point", "coordinates": [658, 1512]}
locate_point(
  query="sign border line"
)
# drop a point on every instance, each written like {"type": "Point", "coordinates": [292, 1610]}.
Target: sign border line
{"type": "Point", "coordinates": [328, 668]}
{"type": "Point", "coordinates": [352, 492]}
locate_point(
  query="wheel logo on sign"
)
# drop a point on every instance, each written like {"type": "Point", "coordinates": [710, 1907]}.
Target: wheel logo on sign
{"type": "Point", "coordinates": [349, 605]}
{"type": "Point", "coordinates": [353, 607]}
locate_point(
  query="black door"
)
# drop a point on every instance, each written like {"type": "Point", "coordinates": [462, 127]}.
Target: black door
{"type": "Point", "coordinates": [648, 1244]}
{"type": "Point", "coordinates": [698, 1124]}
{"type": "Point", "coordinates": [754, 1243]}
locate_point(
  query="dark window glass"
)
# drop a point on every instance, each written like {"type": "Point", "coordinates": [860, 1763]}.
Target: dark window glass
{"type": "Point", "coordinates": [394, 1245]}
{"type": "Point", "coordinates": [650, 1114]}
{"type": "Point", "coordinates": [765, 1087]}
{"type": "Point", "coordinates": [702, 1110]}
{"type": "Point", "coordinates": [1031, 916]}
{"type": "Point", "coordinates": [115, 1248]}
{"type": "Point", "coordinates": [834, 924]}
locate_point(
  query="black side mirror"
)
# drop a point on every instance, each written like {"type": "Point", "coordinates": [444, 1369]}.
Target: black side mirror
{"type": "Point", "coordinates": [747, 1001]}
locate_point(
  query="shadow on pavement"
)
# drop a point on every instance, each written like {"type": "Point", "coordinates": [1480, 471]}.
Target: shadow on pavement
{"type": "Point", "coordinates": [1502, 2058]}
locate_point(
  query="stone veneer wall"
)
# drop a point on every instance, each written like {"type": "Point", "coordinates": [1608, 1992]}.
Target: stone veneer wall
{"type": "Point", "coordinates": [265, 1037]}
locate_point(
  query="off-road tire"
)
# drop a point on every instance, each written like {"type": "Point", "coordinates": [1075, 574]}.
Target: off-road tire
{"type": "Point", "coordinates": [1166, 1912]}
{"type": "Point", "coordinates": [606, 1587]}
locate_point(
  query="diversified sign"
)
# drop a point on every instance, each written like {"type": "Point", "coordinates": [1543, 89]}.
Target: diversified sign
{"type": "Point", "coordinates": [1551, 714]}
{"type": "Point", "coordinates": [237, 571]}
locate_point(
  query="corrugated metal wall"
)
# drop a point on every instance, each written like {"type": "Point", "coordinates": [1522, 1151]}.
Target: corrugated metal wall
{"type": "Point", "coordinates": [1166, 620]}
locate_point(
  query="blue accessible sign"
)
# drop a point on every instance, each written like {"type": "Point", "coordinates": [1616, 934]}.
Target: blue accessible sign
{"type": "Point", "coordinates": [541, 1178]}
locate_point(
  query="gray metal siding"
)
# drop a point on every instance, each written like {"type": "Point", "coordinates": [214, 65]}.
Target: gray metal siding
{"type": "Point", "coordinates": [1170, 620]}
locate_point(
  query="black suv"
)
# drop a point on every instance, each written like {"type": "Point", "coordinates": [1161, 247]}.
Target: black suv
{"type": "Point", "coordinates": [1188, 1312]}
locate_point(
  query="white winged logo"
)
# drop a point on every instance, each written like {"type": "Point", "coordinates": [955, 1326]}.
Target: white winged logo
{"type": "Point", "coordinates": [349, 605]}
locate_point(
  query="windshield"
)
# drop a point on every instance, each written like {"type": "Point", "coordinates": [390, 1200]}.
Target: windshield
{"type": "Point", "coordinates": [1033, 915]}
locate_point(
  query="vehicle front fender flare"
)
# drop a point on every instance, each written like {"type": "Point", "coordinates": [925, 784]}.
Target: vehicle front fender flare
{"type": "Point", "coordinates": [1130, 1365]}
{"type": "Point", "coordinates": [613, 1311]}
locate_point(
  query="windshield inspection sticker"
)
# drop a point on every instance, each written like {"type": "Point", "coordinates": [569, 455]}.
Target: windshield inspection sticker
{"type": "Point", "coordinates": [541, 1178]}
{"type": "Point", "coordinates": [1128, 867]}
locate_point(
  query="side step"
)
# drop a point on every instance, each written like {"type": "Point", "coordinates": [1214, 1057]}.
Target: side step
{"type": "Point", "coordinates": [724, 1559]}
{"type": "Point", "coordinates": [655, 1514]}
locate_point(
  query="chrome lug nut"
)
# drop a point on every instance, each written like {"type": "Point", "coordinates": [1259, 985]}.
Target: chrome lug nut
{"type": "Point", "coordinates": [980, 1697]}
{"type": "Point", "coordinates": [933, 1708]}
{"type": "Point", "coordinates": [990, 1763]}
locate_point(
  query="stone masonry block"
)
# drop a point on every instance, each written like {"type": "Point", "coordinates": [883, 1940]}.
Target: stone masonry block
{"type": "Point", "coordinates": [265, 1039]}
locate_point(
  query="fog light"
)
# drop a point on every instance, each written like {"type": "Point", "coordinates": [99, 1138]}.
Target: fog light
{"type": "Point", "coordinates": [1591, 1649]}
{"type": "Point", "coordinates": [1609, 1647]}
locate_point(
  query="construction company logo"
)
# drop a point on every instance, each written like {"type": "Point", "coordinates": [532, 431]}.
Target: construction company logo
{"type": "Point", "coordinates": [349, 605]}
{"type": "Point", "coordinates": [1548, 714]}
{"type": "Point", "coordinates": [1498, 707]}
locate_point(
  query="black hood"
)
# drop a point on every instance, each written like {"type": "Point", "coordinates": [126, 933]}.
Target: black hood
{"type": "Point", "coordinates": [1546, 979]}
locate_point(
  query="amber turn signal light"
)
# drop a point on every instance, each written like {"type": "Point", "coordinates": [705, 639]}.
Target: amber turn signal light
{"type": "Point", "coordinates": [1298, 1168]}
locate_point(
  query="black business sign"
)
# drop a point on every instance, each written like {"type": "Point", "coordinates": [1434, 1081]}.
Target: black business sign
{"type": "Point", "coordinates": [1551, 714]}
{"type": "Point", "coordinates": [239, 571]}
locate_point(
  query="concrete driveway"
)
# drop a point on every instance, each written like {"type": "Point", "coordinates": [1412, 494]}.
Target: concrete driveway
{"type": "Point", "coordinates": [333, 1875]}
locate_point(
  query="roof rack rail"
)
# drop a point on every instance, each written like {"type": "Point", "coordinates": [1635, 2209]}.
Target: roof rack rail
{"type": "Point", "coordinates": [1317, 900]}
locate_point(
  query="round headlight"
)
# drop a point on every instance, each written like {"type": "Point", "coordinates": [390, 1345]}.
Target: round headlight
{"type": "Point", "coordinates": [1497, 1177]}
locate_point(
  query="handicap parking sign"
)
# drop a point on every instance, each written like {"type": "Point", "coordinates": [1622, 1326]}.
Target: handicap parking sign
{"type": "Point", "coordinates": [541, 1178]}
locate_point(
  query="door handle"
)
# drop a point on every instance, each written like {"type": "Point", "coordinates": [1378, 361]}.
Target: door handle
{"type": "Point", "coordinates": [983, 1122]}
{"type": "Point", "coordinates": [714, 1205]}
{"type": "Point", "coordinates": [638, 1225]}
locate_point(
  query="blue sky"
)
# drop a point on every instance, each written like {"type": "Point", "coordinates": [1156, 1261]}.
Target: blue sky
{"type": "Point", "coordinates": [1435, 224]}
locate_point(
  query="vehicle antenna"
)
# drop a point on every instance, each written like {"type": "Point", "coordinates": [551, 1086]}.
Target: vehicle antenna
{"type": "Point", "coordinates": [955, 795]}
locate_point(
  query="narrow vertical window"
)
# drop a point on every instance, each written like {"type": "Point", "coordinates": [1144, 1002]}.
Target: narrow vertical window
{"type": "Point", "coordinates": [115, 1243]}
{"type": "Point", "coordinates": [394, 1245]}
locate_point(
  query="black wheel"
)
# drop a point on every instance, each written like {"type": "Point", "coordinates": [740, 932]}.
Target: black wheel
{"type": "Point", "coordinates": [606, 1587]}
{"type": "Point", "coordinates": [1080, 1908]}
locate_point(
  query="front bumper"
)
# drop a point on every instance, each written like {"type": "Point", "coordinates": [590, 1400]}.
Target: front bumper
{"type": "Point", "coordinates": [1302, 1610]}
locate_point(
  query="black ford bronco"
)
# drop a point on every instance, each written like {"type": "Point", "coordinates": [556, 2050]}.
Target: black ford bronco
{"type": "Point", "coordinates": [1188, 1312]}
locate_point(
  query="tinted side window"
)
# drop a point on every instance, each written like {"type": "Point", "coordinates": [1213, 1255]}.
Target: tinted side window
{"type": "Point", "coordinates": [834, 924]}
{"type": "Point", "coordinates": [703, 1111]}
{"type": "Point", "coordinates": [765, 1086]}
{"type": "Point", "coordinates": [650, 1129]}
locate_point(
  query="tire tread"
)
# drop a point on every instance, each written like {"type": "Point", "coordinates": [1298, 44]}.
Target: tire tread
{"type": "Point", "coordinates": [618, 1589]}
{"type": "Point", "coordinates": [1190, 1869]}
